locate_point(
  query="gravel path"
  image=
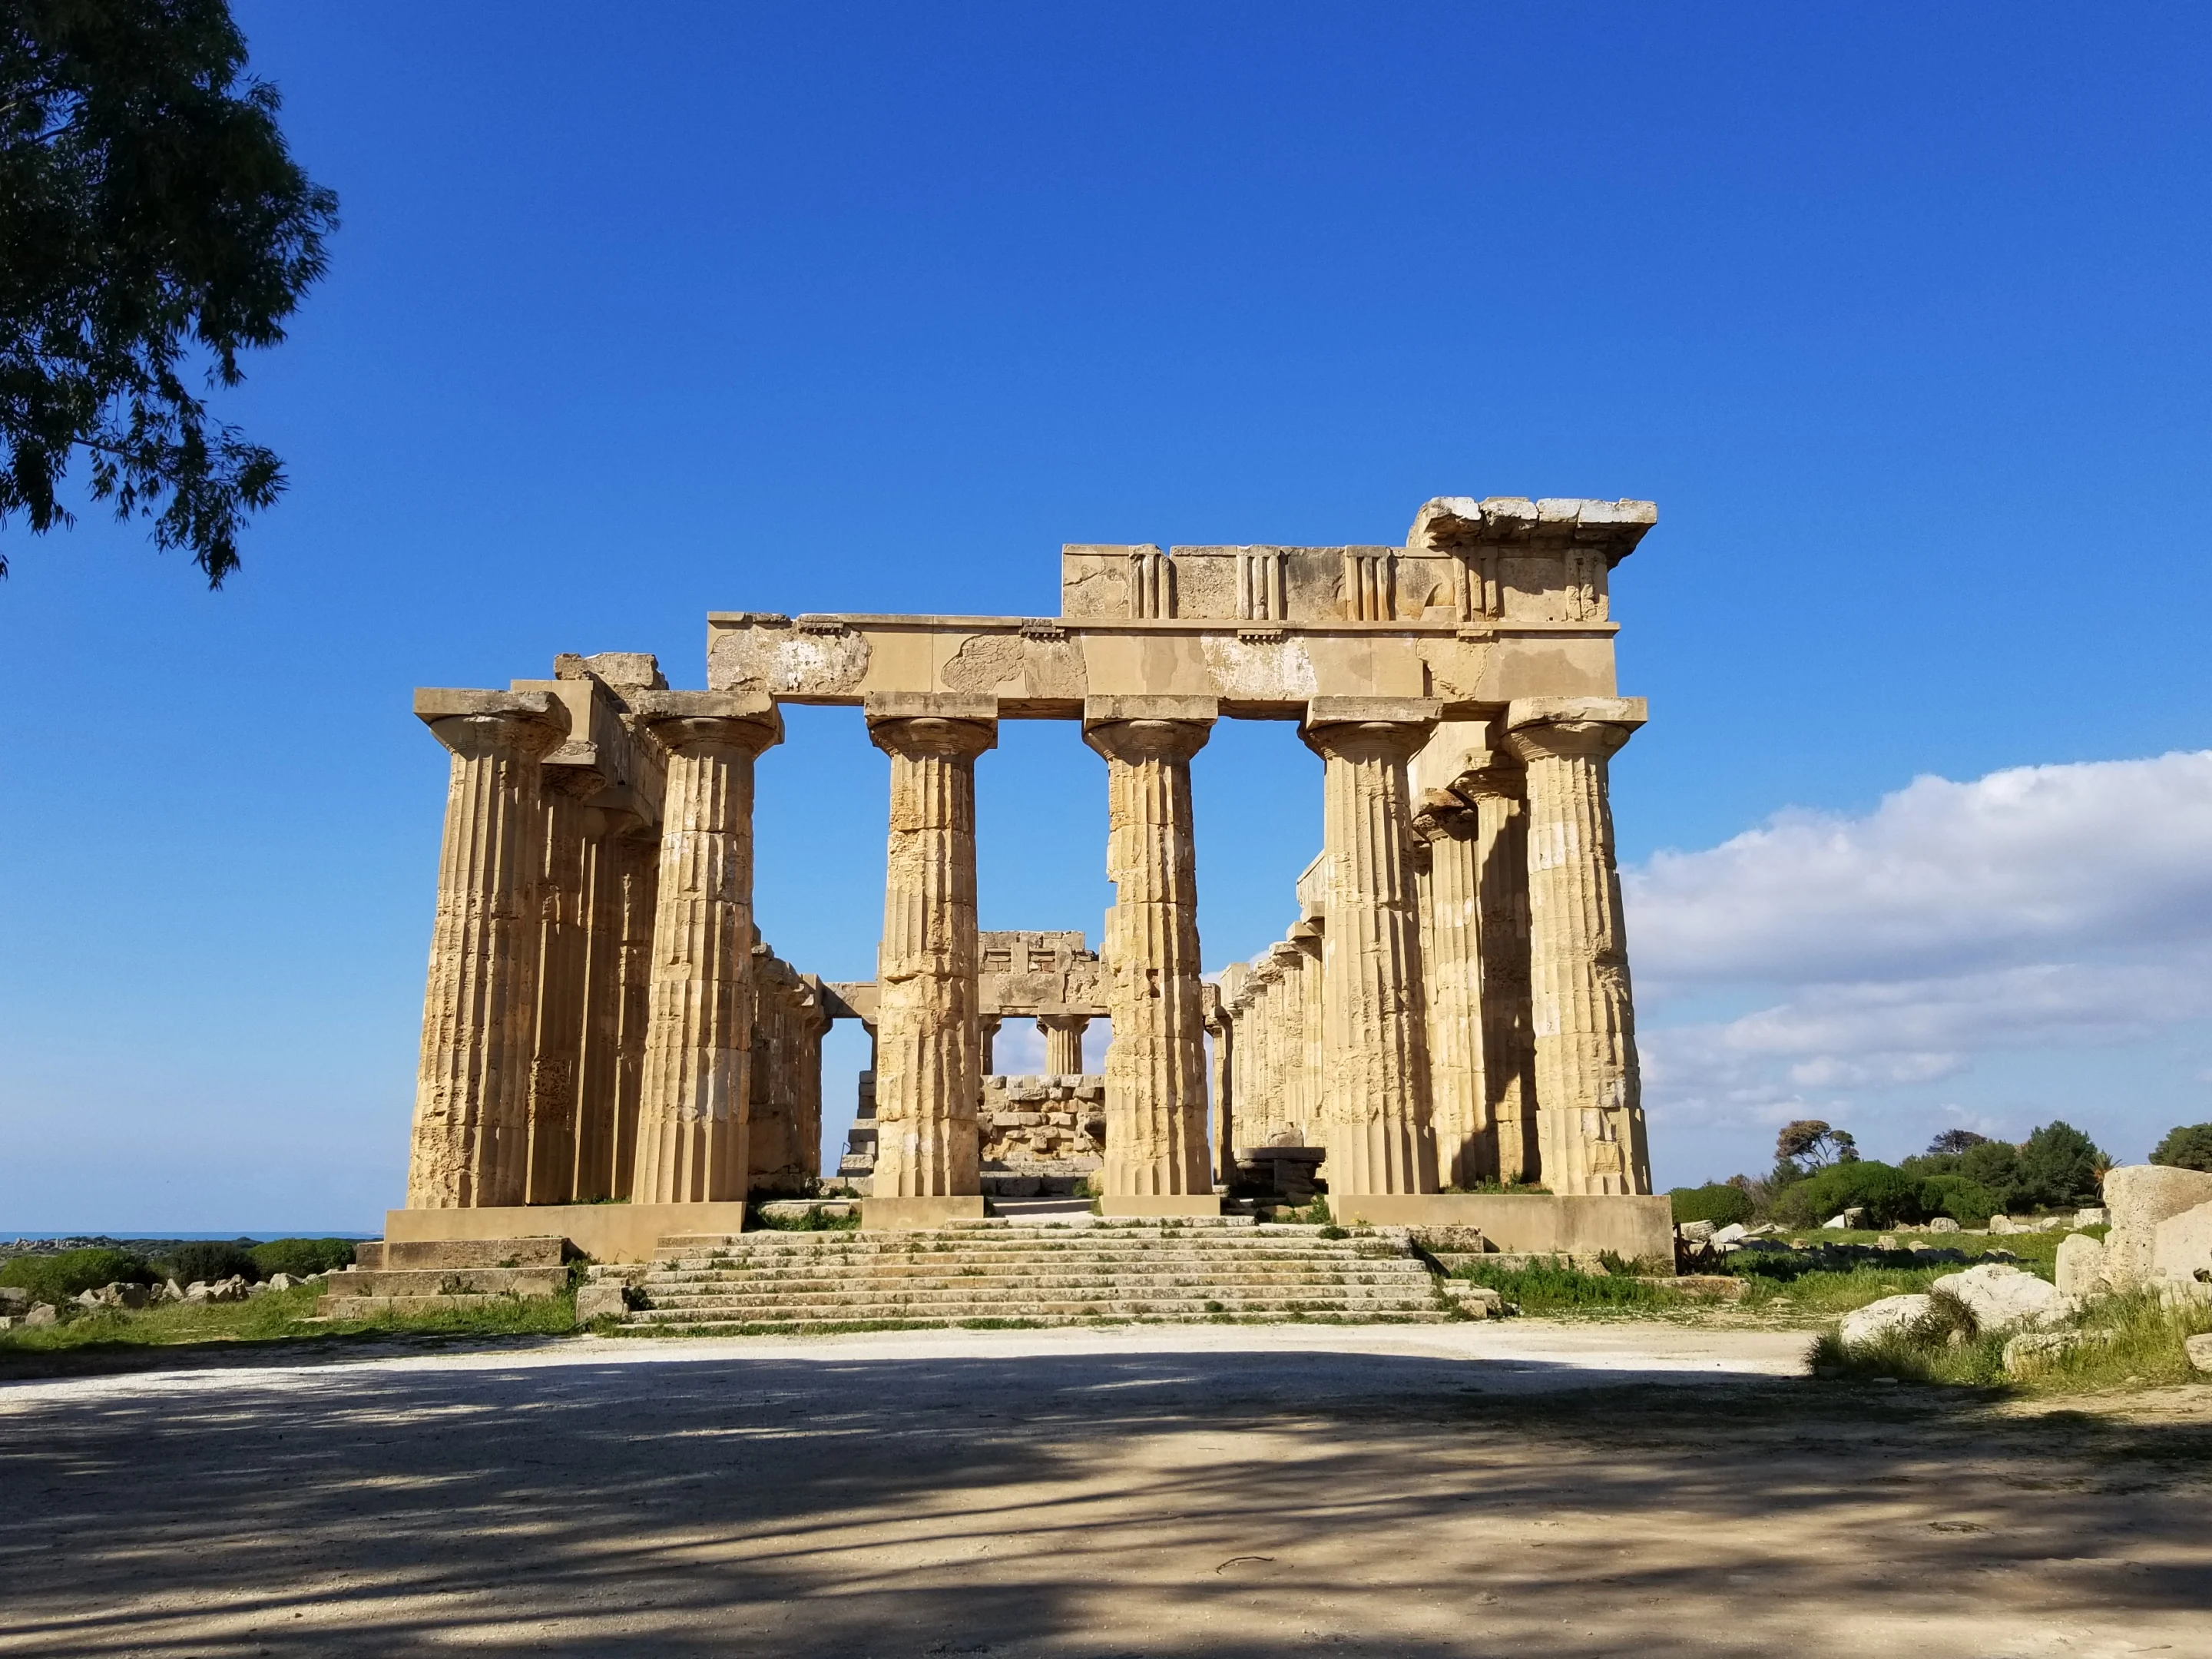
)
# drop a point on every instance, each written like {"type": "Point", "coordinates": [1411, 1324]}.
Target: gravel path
{"type": "Point", "coordinates": [1521, 1488]}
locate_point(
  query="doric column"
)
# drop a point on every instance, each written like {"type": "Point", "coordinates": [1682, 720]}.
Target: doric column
{"type": "Point", "coordinates": [987, 1032]}
{"type": "Point", "coordinates": [1447, 868]}
{"type": "Point", "coordinates": [1262, 1114]}
{"type": "Point", "coordinates": [1223, 1029]}
{"type": "Point", "coordinates": [1311, 939]}
{"type": "Point", "coordinates": [1296, 1094]}
{"type": "Point", "coordinates": [472, 1086]}
{"type": "Point", "coordinates": [1156, 1141]}
{"type": "Point", "coordinates": [1496, 794]}
{"type": "Point", "coordinates": [1377, 1083]}
{"type": "Point", "coordinates": [1588, 1098]}
{"type": "Point", "coordinates": [637, 869]}
{"type": "Point", "coordinates": [928, 1042]}
{"type": "Point", "coordinates": [692, 1097]}
{"type": "Point", "coordinates": [1063, 1042]}
{"type": "Point", "coordinates": [563, 967]}
{"type": "Point", "coordinates": [598, 1074]}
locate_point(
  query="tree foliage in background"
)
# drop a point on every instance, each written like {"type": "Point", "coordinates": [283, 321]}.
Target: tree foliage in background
{"type": "Point", "coordinates": [1952, 1142]}
{"type": "Point", "coordinates": [153, 226]}
{"type": "Point", "coordinates": [1809, 1145]}
{"type": "Point", "coordinates": [2187, 1146]}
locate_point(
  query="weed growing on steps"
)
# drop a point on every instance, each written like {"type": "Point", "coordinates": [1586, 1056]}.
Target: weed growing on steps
{"type": "Point", "coordinates": [1551, 1286]}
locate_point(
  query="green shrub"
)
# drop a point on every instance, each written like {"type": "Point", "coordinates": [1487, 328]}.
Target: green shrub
{"type": "Point", "coordinates": [1994, 1166]}
{"type": "Point", "coordinates": [1722, 1204]}
{"type": "Point", "coordinates": [209, 1260]}
{"type": "Point", "coordinates": [1888, 1194]}
{"type": "Point", "coordinates": [301, 1256]}
{"type": "Point", "coordinates": [1965, 1202]}
{"type": "Point", "coordinates": [2059, 1165]}
{"type": "Point", "coordinates": [2187, 1146]}
{"type": "Point", "coordinates": [66, 1273]}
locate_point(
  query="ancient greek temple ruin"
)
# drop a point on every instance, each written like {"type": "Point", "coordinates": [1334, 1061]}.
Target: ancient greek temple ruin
{"type": "Point", "coordinates": [1449, 1013]}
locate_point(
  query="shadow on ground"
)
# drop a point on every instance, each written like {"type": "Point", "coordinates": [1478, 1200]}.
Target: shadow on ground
{"type": "Point", "coordinates": [1235, 1503]}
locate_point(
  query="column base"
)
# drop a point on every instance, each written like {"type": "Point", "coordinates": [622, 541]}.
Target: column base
{"type": "Point", "coordinates": [882, 1214]}
{"type": "Point", "coordinates": [1178, 1204]}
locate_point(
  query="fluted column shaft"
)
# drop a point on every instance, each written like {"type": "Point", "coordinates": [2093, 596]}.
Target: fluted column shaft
{"type": "Point", "coordinates": [1589, 1100]}
{"type": "Point", "coordinates": [1376, 1110]}
{"type": "Point", "coordinates": [1063, 1042]}
{"type": "Point", "coordinates": [599, 1069]}
{"type": "Point", "coordinates": [1502, 891]}
{"type": "Point", "coordinates": [564, 968]}
{"type": "Point", "coordinates": [1310, 1037]}
{"type": "Point", "coordinates": [928, 1039]}
{"type": "Point", "coordinates": [1223, 1029]}
{"type": "Point", "coordinates": [1451, 956]}
{"type": "Point", "coordinates": [470, 1145]}
{"type": "Point", "coordinates": [1263, 1120]}
{"type": "Point", "coordinates": [692, 1105]}
{"type": "Point", "coordinates": [1156, 1140]}
{"type": "Point", "coordinates": [637, 869]}
{"type": "Point", "coordinates": [1292, 1087]}
{"type": "Point", "coordinates": [988, 1035]}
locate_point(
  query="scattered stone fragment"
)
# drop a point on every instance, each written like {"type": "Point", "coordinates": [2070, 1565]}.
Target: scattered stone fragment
{"type": "Point", "coordinates": [1943, 1223]}
{"type": "Point", "coordinates": [2199, 1350]}
{"type": "Point", "coordinates": [2080, 1271]}
{"type": "Point", "coordinates": [604, 1301]}
{"type": "Point", "coordinates": [42, 1313]}
{"type": "Point", "coordinates": [1879, 1319]}
{"type": "Point", "coordinates": [2003, 1298]}
{"type": "Point", "coordinates": [2030, 1351]}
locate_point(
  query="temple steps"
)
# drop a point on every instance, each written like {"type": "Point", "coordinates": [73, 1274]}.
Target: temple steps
{"type": "Point", "coordinates": [421, 1275]}
{"type": "Point", "coordinates": [982, 1276]}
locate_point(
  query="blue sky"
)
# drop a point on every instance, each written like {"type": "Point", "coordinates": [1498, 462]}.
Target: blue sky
{"type": "Point", "coordinates": [1898, 315]}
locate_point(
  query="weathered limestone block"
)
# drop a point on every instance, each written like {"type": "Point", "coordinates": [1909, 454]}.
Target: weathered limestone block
{"type": "Point", "coordinates": [2181, 1246]}
{"type": "Point", "coordinates": [2080, 1270]}
{"type": "Point", "coordinates": [692, 1110]}
{"type": "Point", "coordinates": [1376, 1110]}
{"type": "Point", "coordinates": [1591, 1112]}
{"type": "Point", "coordinates": [472, 1088]}
{"type": "Point", "coordinates": [929, 1044]}
{"type": "Point", "coordinates": [2140, 1196]}
{"type": "Point", "coordinates": [1297, 1102]}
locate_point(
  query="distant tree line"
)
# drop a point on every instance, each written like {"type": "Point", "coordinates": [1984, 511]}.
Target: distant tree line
{"type": "Point", "coordinates": [1818, 1173]}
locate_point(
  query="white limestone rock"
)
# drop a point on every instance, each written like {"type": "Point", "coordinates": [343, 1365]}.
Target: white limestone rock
{"type": "Point", "coordinates": [2094, 1217]}
{"type": "Point", "coordinates": [1879, 1319]}
{"type": "Point", "coordinates": [1943, 1223]}
{"type": "Point", "coordinates": [2181, 1246]}
{"type": "Point", "coordinates": [42, 1313]}
{"type": "Point", "coordinates": [2031, 1350]}
{"type": "Point", "coordinates": [2140, 1196]}
{"type": "Point", "coordinates": [2199, 1350]}
{"type": "Point", "coordinates": [2003, 1298]}
{"type": "Point", "coordinates": [1735, 1232]}
{"type": "Point", "coordinates": [2081, 1268]}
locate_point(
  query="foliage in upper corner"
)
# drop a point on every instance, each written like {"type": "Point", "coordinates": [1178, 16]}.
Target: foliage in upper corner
{"type": "Point", "coordinates": [153, 226]}
{"type": "Point", "coordinates": [2186, 1146]}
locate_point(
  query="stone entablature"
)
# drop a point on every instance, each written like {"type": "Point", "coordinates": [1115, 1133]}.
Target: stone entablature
{"type": "Point", "coordinates": [1487, 602]}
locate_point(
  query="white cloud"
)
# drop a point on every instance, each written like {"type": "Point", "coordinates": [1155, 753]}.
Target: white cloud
{"type": "Point", "coordinates": [2041, 908]}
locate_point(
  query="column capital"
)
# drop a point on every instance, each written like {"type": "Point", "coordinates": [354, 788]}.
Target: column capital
{"type": "Point", "coordinates": [1133, 741]}
{"type": "Point", "coordinates": [1542, 727]}
{"type": "Point", "coordinates": [1440, 815]}
{"type": "Point", "coordinates": [915, 724]}
{"type": "Point", "coordinates": [693, 722]}
{"type": "Point", "coordinates": [481, 724]}
{"type": "Point", "coordinates": [1503, 779]}
{"type": "Point", "coordinates": [1063, 1021]}
{"type": "Point", "coordinates": [1369, 728]}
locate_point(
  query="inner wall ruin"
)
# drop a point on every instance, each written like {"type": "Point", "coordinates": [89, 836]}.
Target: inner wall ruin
{"type": "Point", "coordinates": [1449, 1014]}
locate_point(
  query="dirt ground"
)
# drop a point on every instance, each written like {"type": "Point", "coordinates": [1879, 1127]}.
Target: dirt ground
{"type": "Point", "coordinates": [1518, 1489]}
